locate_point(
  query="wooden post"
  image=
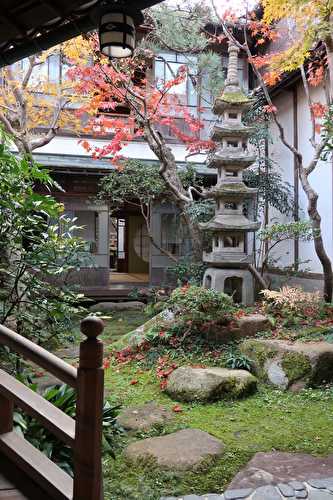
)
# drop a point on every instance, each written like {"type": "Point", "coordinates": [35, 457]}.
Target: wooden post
{"type": "Point", "coordinates": [6, 414]}
{"type": "Point", "coordinates": [88, 483]}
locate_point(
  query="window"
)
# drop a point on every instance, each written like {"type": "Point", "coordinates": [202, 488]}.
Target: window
{"type": "Point", "coordinates": [88, 221]}
{"type": "Point", "coordinates": [167, 65]}
{"type": "Point", "coordinates": [174, 235]}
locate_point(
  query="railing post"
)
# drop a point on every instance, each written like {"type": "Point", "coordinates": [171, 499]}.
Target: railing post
{"type": "Point", "coordinates": [88, 483]}
{"type": "Point", "coordinates": [6, 414]}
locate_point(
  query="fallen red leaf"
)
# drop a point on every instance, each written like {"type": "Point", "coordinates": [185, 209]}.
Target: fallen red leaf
{"type": "Point", "coordinates": [133, 382]}
{"type": "Point", "coordinates": [177, 409]}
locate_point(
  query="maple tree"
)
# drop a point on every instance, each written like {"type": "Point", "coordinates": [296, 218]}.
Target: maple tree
{"type": "Point", "coordinates": [36, 100]}
{"type": "Point", "coordinates": [107, 85]}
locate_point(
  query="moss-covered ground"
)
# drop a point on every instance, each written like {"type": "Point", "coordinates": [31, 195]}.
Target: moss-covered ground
{"type": "Point", "coordinates": [268, 420]}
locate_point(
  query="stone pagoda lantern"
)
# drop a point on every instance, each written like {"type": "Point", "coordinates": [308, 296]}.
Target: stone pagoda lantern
{"type": "Point", "coordinates": [230, 253]}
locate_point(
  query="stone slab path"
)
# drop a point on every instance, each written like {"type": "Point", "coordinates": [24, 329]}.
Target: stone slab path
{"type": "Point", "coordinates": [316, 489]}
{"type": "Point", "coordinates": [278, 476]}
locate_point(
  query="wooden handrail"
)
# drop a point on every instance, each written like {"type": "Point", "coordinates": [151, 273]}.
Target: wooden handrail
{"type": "Point", "coordinates": [39, 355]}
{"type": "Point", "coordinates": [84, 435]}
{"type": "Point", "coordinates": [55, 420]}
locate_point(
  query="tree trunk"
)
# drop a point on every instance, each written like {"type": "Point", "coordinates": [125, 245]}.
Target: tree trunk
{"type": "Point", "coordinates": [315, 218]}
{"type": "Point", "coordinates": [196, 237]}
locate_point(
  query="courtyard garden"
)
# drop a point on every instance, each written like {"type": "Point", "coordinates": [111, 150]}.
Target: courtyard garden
{"type": "Point", "coordinates": [275, 416]}
{"type": "Point", "coordinates": [196, 156]}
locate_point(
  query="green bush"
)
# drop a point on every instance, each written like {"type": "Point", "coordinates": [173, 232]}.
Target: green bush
{"type": "Point", "coordinates": [187, 272]}
{"type": "Point", "coordinates": [201, 304]}
{"type": "Point", "coordinates": [64, 398]}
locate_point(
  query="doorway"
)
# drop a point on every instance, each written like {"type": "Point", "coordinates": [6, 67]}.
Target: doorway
{"type": "Point", "coordinates": [129, 249]}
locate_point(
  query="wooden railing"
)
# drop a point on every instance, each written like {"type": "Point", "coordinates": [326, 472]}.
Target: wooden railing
{"type": "Point", "coordinates": [84, 434]}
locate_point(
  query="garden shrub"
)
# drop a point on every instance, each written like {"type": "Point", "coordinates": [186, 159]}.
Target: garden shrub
{"type": "Point", "coordinates": [64, 398]}
{"type": "Point", "coordinates": [292, 301]}
{"type": "Point", "coordinates": [201, 304]}
{"type": "Point", "coordinates": [197, 310]}
{"type": "Point", "coordinates": [188, 272]}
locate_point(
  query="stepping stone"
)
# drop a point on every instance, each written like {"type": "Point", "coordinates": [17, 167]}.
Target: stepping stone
{"type": "Point", "coordinates": [237, 494]}
{"type": "Point", "coordinates": [280, 467]}
{"type": "Point", "coordinates": [137, 418]}
{"type": "Point", "coordinates": [319, 495]}
{"type": "Point", "coordinates": [71, 352]}
{"type": "Point", "coordinates": [209, 384]}
{"type": "Point", "coordinates": [117, 306]}
{"type": "Point", "coordinates": [181, 450]}
{"type": "Point", "coordinates": [266, 493]}
{"type": "Point", "coordinates": [286, 490]}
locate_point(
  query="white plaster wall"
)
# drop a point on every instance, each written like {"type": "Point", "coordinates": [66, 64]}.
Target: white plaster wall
{"type": "Point", "coordinates": [320, 179]}
{"type": "Point", "coordinates": [283, 161]}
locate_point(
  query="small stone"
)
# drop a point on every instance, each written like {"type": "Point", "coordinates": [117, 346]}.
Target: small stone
{"type": "Point", "coordinates": [319, 495]}
{"type": "Point", "coordinates": [321, 483]}
{"type": "Point", "coordinates": [266, 493]}
{"type": "Point", "coordinates": [238, 494]}
{"type": "Point", "coordinates": [297, 485]}
{"type": "Point", "coordinates": [301, 494]}
{"type": "Point", "coordinates": [286, 490]}
{"type": "Point", "coordinates": [213, 496]}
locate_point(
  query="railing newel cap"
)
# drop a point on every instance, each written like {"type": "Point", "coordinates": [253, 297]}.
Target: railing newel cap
{"type": "Point", "coordinates": [92, 326]}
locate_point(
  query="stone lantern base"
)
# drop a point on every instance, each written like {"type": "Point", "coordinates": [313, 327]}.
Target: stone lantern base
{"type": "Point", "coordinates": [236, 282]}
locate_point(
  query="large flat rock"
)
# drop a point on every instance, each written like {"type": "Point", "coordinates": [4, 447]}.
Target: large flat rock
{"type": "Point", "coordinates": [117, 306]}
{"type": "Point", "coordinates": [181, 450]}
{"type": "Point", "coordinates": [164, 320]}
{"type": "Point", "coordinates": [144, 417]}
{"type": "Point", "coordinates": [209, 384]}
{"type": "Point", "coordinates": [290, 365]}
{"type": "Point", "coordinates": [280, 467]}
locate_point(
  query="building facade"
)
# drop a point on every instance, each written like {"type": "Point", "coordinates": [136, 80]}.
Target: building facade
{"type": "Point", "coordinates": [120, 250]}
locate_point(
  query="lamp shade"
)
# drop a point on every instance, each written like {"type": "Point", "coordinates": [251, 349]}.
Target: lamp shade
{"type": "Point", "coordinates": [117, 30]}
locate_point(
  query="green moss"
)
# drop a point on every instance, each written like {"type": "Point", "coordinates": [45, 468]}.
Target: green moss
{"type": "Point", "coordinates": [238, 388]}
{"type": "Point", "coordinates": [234, 97]}
{"type": "Point", "coordinates": [245, 426]}
{"type": "Point", "coordinates": [141, 326]}
{"type": "Point", "coordinates": [258, 352]}
{"type": "Point", "coordinates": [296, 366]}
{"type": "Point", "coordinates": [235, 186]}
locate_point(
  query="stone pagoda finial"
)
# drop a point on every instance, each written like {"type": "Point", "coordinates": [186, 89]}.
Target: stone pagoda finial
{"type": "Point", "coordinates": [232, 75]}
